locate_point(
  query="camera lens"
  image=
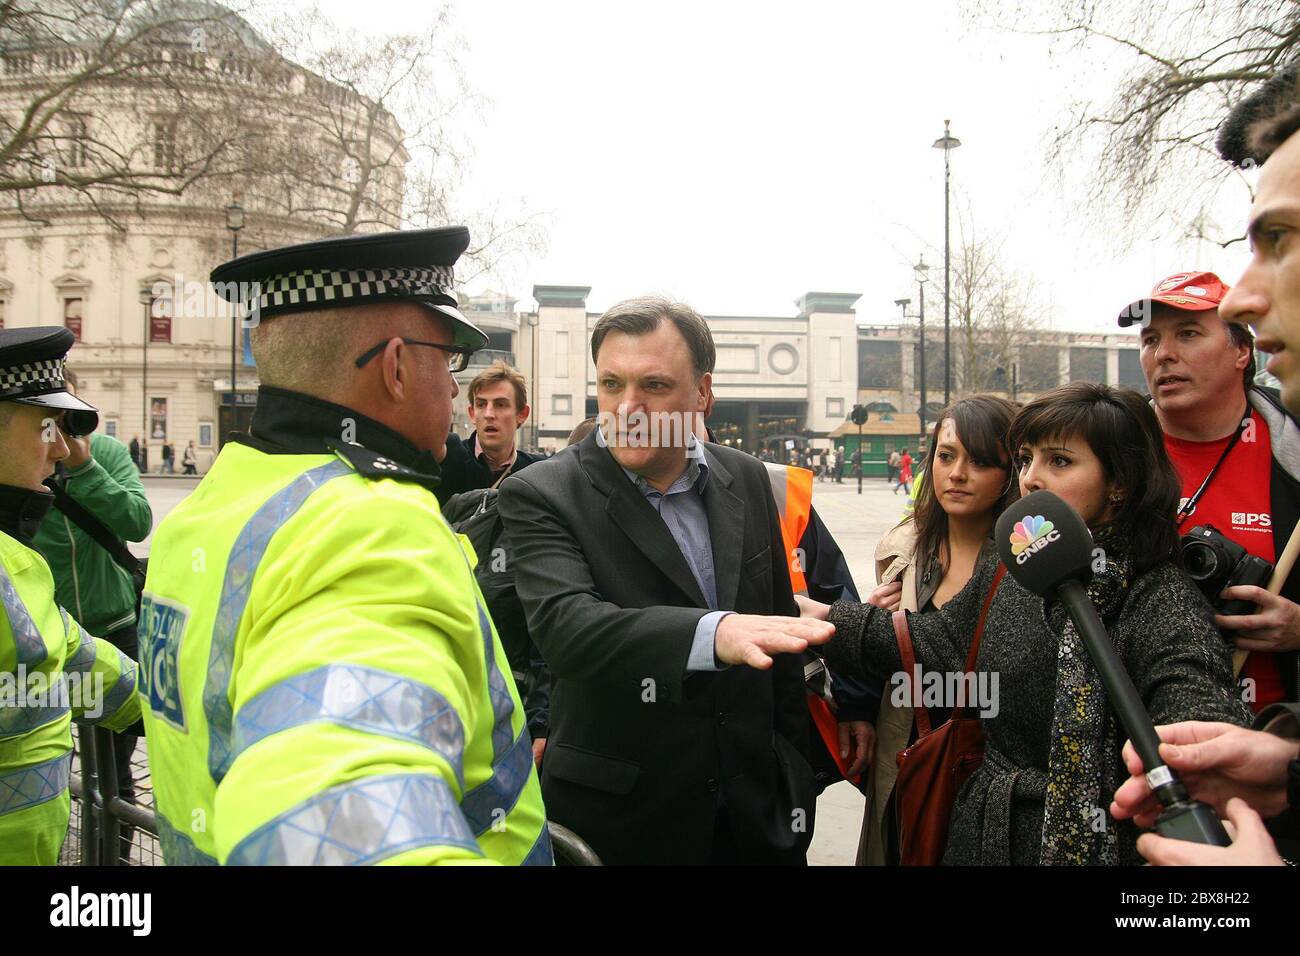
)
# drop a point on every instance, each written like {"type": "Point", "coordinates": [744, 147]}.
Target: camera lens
{"type": "Point", "coordinates": [1200, 560]}
{"type": "Point", "coordinates": [79, 421]}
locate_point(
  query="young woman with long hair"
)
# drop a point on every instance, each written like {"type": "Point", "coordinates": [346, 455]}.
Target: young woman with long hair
{"type": "Point", "coordinates": [1053, 746]}
{"type": "Point", "coordinates": [926, 559]}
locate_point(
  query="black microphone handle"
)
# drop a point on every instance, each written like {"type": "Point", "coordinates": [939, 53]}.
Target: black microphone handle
{"type": "Point", "coordinates": [1119, 686]}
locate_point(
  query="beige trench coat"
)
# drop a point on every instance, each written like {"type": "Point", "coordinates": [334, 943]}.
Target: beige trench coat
{"type": "Point", "coordinates": [895, 553]}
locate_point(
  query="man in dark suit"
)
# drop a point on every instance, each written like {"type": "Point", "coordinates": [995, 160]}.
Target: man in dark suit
{"type": "Point", "coordinates": [653, 574]}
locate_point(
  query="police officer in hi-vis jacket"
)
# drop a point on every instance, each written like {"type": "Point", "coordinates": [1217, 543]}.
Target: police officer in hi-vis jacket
{"type": "Point", "coordinates": [323, 683]}
{"type": "Point", "coordinates": [51, 671]}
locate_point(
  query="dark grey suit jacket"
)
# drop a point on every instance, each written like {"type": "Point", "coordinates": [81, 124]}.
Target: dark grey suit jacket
{"type": "Point", "coordinates": [641, 754]}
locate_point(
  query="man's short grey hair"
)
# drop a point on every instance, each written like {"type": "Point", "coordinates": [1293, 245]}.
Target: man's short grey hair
{"type": "Point", "coordinates": [642, 315]}
{"type": "Point", "coordinates": [311, 352]}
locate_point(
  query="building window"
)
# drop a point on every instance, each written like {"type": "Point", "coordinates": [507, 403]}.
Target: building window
{"type": "Point", "coordinates": [879, 364]}
{"type": "Point", "coordinates": [164, 143]}
{"type": "Point", "coordinates": [205, 434]}
{"type": "Point", "coordinates": [110, 427]}
{"type": "Point", "coordinates": [561, 354]}
{"type": "Point", "coordinates": [72, 316]}
{"type": "Point", "coordinates": [561, 404]}
{"type": "Point", "coordinates": [1088, 365]}
{"type": "Point", "coordinates": [75, 152]}
{"type": "Point", "coordinates": [1130, 370]}
{"type": "Point", "coordinates": [1039, 367]}
{"type": "Point", "coordinates": [834, 408]}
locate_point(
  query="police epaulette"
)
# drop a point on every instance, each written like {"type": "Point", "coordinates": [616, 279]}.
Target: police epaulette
{"type": "Point", "coordinates": [374, 465]}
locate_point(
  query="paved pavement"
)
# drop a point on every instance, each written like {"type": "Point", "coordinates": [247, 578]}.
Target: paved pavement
{"type": "Point", "coordinates": [856, 521]}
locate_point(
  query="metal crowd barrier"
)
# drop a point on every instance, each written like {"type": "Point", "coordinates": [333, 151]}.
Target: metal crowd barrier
{"type": "Point", "coordinates": [103, 825]}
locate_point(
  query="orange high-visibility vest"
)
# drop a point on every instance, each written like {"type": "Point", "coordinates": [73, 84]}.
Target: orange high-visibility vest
{"type": "Point", "coordinates": [792, 488]}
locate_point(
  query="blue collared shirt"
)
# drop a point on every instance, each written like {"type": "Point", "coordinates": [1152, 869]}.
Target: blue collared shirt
{"type": "Point", "coordinates": [682, 509]}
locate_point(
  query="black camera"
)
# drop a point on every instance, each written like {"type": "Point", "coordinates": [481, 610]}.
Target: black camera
{"type": "Point", "coordinates": [79, 422]}
{"type": "Point", "coordinates": [1215, 563]}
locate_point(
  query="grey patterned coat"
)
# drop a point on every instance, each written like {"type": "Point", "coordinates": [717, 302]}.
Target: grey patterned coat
{"type": "Point", "coordinates": [1167, 640]}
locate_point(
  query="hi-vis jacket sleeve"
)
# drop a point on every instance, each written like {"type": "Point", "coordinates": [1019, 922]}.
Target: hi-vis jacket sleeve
{"type": "Point", "coordinates": [101, 680]}
{"type": "Point", "coordinates": [355, 693]}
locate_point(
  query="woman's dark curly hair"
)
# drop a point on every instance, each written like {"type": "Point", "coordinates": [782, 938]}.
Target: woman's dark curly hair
{"type": "Point", "coordinates": [1123, 432]}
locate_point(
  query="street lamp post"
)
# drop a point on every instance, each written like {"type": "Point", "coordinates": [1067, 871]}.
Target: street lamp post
{"type": "Point", "coordinates": [537, 395]}
{"type": "Point", "coordinates": [922, 270]}
{"type": "Point", "coordinates": [947, 143]}
{"type": "Point", "coordinates": [146, 299]}
{"type": "Point", "coordinates": [903, 304]}
{"type": "Point", "coordinates": [234, 222]}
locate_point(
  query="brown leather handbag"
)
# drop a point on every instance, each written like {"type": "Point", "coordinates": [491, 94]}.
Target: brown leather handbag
{"type": "Point", "coordinates": [932, 770]}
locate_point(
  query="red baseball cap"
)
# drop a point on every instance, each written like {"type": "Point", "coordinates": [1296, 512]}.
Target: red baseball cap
{"type": "Point", "coordinates": [1189, 291]}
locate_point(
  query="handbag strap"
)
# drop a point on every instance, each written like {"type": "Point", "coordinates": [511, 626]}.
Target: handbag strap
{"type": "Point", "coordinates": [903, 634]}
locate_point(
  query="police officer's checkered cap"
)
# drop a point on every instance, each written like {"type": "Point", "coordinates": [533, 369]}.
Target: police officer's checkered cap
{"type": "Point", "coordinates": [316, 288]}
{"type": "Point", "coordinates": [411, 265]}
{"type": "Point", "coordinates": [32, 378]}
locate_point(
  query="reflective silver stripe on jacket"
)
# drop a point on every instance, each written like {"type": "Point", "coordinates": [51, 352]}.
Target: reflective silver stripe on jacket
{"type": "Point", "coordinates": [30, 644]}
{"type": "Point", "coordinates": [31, 786]}
{"type": "Point", "coordinates": [361, 698]}
{"type": "Point", "coordinates": [492, 800]}
{"type": "Point", "coordinates": [541, 854]}
{"type": "Point", "coordinates": [362, 822]}
{"type": "Point", "coordinates": [245, 556]}
{"type": "Point", "coordinates": [123, 689]}
{"type": "Point", "coordinates": [177, 847]}
{"type": "Point", "coordinates": [17, 720]}
{"type": "Point", "coordinates": [83, 661]}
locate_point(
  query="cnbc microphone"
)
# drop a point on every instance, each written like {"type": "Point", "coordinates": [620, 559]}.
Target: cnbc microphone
{"type": "Point", "coordinates": [1048, 550]}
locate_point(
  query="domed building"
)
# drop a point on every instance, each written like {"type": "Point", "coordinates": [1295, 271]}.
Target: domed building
{"type": "Point", "coordinates": [146, 179]}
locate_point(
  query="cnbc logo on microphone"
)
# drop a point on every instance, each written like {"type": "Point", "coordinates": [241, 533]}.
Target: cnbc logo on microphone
{"type": "Point", "coordinates": [1032, 533]}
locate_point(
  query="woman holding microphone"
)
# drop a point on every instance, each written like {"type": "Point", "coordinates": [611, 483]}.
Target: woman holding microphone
{"type": "Point", "coordinates": [1053, 748]}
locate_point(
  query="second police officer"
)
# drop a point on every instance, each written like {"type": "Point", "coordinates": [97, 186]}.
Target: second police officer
{"type": "Point", "coordinates": [323, 683]}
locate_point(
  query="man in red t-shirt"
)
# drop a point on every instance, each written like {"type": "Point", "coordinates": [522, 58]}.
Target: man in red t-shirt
{"type": "Point", "coordinates": [1200, 371]}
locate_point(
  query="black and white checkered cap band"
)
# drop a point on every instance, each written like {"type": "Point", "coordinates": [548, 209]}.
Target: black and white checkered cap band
{"type": "Point", "coordinates": [32, 378]}
{"type": "Point", "coordinates": [316, 287]}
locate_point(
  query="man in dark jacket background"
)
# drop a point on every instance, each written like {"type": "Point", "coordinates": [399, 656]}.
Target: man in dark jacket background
{"type": "Point", "coordinates": [498, 406]}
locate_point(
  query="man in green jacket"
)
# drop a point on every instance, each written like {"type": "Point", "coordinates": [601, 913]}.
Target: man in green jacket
{"type": "Point", "coordinates": [100, 476]}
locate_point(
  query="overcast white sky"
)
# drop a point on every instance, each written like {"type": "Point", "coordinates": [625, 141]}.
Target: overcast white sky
{"type": "Point", "coordinates": [738, 154]}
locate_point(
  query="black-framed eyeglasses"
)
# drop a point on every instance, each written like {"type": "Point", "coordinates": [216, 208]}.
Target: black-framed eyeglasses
{"type": "Point", "coordinates": [457, 359]}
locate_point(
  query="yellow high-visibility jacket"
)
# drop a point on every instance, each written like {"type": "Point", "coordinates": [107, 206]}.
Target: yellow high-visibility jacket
{"type": "Point", "coordinates": [321, 680]}
{"type": "Point", "coordinates": [51, 673]}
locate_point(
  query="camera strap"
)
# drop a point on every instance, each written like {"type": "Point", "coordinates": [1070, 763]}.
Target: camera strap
{"type": "Point", "coordinates": [1186, 510]}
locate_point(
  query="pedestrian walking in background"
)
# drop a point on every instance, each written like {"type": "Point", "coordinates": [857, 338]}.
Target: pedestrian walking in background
{"type": "Point", "coordinates": [190, 460]}
{"type": "Point", "coordinates": [904, 473]}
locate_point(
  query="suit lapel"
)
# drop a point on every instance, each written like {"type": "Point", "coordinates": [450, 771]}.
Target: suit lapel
{"type": "Point", "coordinates": [726, 529]}
{"type": "Point", "coordinates": [637, 519]}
